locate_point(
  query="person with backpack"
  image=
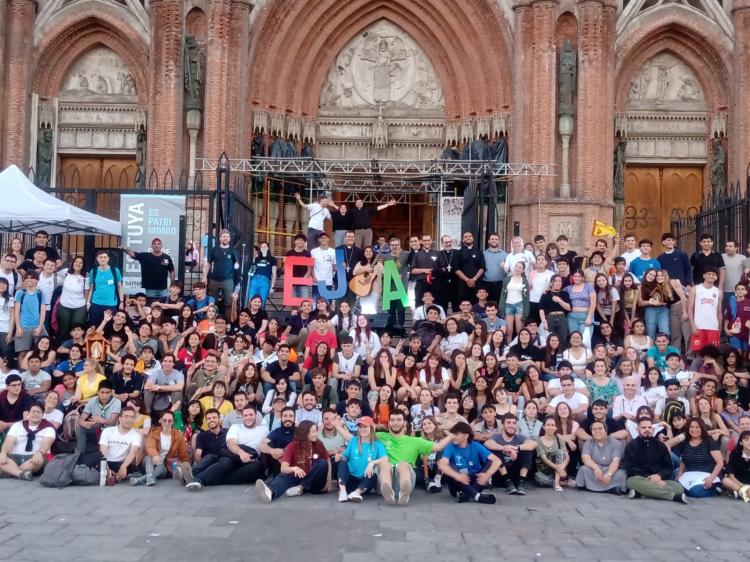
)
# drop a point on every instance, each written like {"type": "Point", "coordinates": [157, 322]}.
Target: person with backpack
{"type": "Point", "coordinates": [104, 289]}
{"type": "Point", "coordinates": [30, 311]}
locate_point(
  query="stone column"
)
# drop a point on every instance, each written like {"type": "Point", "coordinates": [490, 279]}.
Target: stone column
{"type": "Point", "coordinates": [3, 35]}
{"type": "Point", "coordinates": [17, 32]}
{"type": "Point", "coordinates": [595, 117]}
{"type": "Point", "coordinates": [534, 109]}
{"type": "Point", "coordinates": [165, 117]}
{"type": "Point", "coordinates": [239, 134]}
{"type": "Point", "coordinates": [740, 135]}
{"type": "Point", "coordinates": [216, 123]}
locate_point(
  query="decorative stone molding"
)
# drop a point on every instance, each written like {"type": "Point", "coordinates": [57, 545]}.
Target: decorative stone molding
{"type": "Point", "coordinates": [106, 128]}
{"type": "Point", "coordinates": [710, 10]}
{"type": "Point", "coordinates": [719, 125]}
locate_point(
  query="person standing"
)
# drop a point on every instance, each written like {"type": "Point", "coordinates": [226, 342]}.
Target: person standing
{"type": "Point", "coordinates": [494, 270]}
{"type": "Point", "coordinates": [471, 268]}
{"type": "Point", "coordinates": [29, 313]}
{"type": "Point", "coordinates": [733, 260]}
{"type": "Point", "coordinates": [704, 311]}
{"type": "Point", "coordinates": [644, 261]}
{"type": "Point", "coordinates": [677, 265]}
{"type": "Point", "coordinates": [446, 289]}
{"type": "Point", "coordinates": [319, 213]}
{"type": "Point", "coordinates": [222, 270]}
{"type": "Point", "coordinates": [362, 221]}
{"type": "Point", "coordinates": [705, 259]}
{"type": "Point", "coordinates": [341, 222]}
{"type": "Point", "coordinates": [649, 468]}
{"type": "Point", "coordinates": [324, 264]}
{"type": "Point", "coordinates": [423, 268]}
{"type": "Point", "coordinates": [396, 311]}
{"type": "Point", "coordinates": [41, 239]}
{"type": "Point", "coordinates": [157, 269]}
{"type": "Point", "coordinates": [299, 251]}
{"type": "Point", "coordinates": [352, 256]}
{"type": "Point", "coordinates": [264, 273]}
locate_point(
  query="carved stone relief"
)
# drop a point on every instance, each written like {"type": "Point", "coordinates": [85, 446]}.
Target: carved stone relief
{"type": "Point", "coordinates": [382, 65]}
{"type": "Point", "coordinates": [100, 75]}
{"type": "Point", "coordinates": [665, 82]}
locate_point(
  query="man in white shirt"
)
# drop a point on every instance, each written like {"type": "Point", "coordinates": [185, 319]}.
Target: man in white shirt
{"type": "Point", "coordinates": [576, 401]}
{"type": "Point", "coordinates": [563, 369]}
{"type": "Point", "coordinates": [347, 365]}
{"type": "Point", "coordinates": [626, 404]}
{"type": "Point", "coordinates": [26, 445]}
{"type": "Point", "coordinates": [324, 264]}
{"type": "Point", "coordinates": [319, 214]}
{"type": "Point", "coordinates": [630, 251]}
{"type": "Point", "coordinates": [428, 300]}
{"type": "Point", "coordinates": [240, 462]}
{"type": "Point", "coordinates": [9, 273]}
{"type": "Point", "coordinates": [120, 444]}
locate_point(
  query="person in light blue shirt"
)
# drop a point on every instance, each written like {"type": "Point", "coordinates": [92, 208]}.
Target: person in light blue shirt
{"type": "Point", "coordinates": [645, 261]}
{"type": "Point", "coordinates": [356, 473]}
{"type": "Point", "coordinates": [104, 289]}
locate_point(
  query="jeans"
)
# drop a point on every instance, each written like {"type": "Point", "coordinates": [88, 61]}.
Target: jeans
{"type": "Point", "coordinates": [224, 288]}
{"type": "Point", "coordinates": [470, 490]}
{"type": "Point", "coordinates": [576, 322]}
{"type": "Point", "coordinates": [352, 483]}
{"type": "Point", "coordinates": [657, 320]}
{"type": "Point", "coordinates": [67, 317]}
{"type": "Point", "coordinates": [396, 317]}
{"type": "Point", "coordinates": [314, 481]}
{"type": "Point", "coordinates": [698, 491]}
{"type": "Point", "coordinates": [558, 325]}
{"type": "Point", "coordinates": [312, 238]}
{"type": "Point", "coordinates": [259, 285]}
{"type": "Point", "coordinates": [301, 291]}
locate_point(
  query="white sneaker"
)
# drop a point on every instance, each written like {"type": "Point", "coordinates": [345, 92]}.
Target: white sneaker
{"type": "Point", "coordinates": [294, 491]}
{"type": "Point", "coordinates": [264, 492]}
{"type": "Point", "coordinates": [404, 492]}
{"type": "Point", "coordinates": [342, 496]}
{"type": "Point", "coordinates": [355, 497]}
{"type": "Point", "coordinates": [194, 486]}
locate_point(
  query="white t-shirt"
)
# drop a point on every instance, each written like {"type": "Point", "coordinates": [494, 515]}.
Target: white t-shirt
{"type": "Point", "coordinates": [248, 436]}
{"type": "Point", "coordinates": [706, 306]}
{"type": "Point", "coordinates": [318, 216]}
{"type": "Point", "coordinates": [119, 444]}
{"type": "Point", "coordinates": [9, 277]}
{"type": "Point", "coordinates": [165, 442]}
{"type": "Point", "coordinates": [73, 293]}
{"type": "Point", "coordinates": [457, 341]}
{"type": "Point", "coordinates": [47, 286]}
{"type": "Point", "coordinates": [55, 416]}
{"type": "Point", "coordinates": [18, 431]}
{"type": "Point", "coordinates": [733, 270]}
{"type": "Point", "coordinates": [575, 401]}
{"type": "Point", "coordinates": [6, 309]}
{"type": "Point", "coordinates": [31, 382]}
{"type": "Point", "coordinates": [3, 376]}
{"type": "Point", "coordinates": [323, 263]}
{"type": "Point", "coordinates": [421, 312]}
{"type": "Point", "coordinates": [631, 255]}
{"type": "Point", "coordinates": [538, 284]}
{"type": "Point", "coordinates": [555, 384]}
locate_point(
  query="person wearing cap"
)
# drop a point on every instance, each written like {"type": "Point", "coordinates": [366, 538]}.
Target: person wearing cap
{"type": "Point", "coordinates": [157, 269]}
{"type": "Point", "coordinates": [468, 466]}
{"type": "Point", "coordinates": [356, 472]}
{"type": "Point", "coordinates": [14, 401]}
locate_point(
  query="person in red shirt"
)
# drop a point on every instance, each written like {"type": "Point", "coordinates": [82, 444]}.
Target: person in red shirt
{"type": "Point", "coordinates": [322, 333]}
{"type": "Point", "coordinates": [304, 467]}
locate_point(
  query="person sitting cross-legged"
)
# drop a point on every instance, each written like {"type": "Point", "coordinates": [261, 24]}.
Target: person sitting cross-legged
{"type": "Point", "coordinates": [356, 471]}
{"type": "Point", "coordinates": [164, 445]}
{"type": "Point", "coordinates": [26, 445]}
{"type": "Point", "coordinates": [468, 466]}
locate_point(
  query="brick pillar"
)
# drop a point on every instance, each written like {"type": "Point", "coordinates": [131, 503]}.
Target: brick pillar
{"type": "Point", "coordinates": [239, 137]}
{"type": "Point", "coordinates": [594, 119]}
{"type": "Point", "coordinates": [166, 115]}
{"type": "Point", "coordinates": [3, 35]}
{"type": "Point", "coordinates": [534, 109]}
{"type": "Point", "coordinates": [217, 122]}
{"type": "Point", "coordinates": [19, 21]}
{"type": "Point", "coordinates": [741, 133]}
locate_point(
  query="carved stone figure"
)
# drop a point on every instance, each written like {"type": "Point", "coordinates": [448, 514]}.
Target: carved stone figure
{"type": "Point", "coordinates": [566, 78]}
{"type": "Point", "coordinates": [100, 74]}
{"type": "Point", "coordinates": [619, 171]}
{"type": "Point", "coordinates": [662, 81]}
{"type": "Point", "coordinates": [257, 148]}
{"type": "Point", "coordinates": [44, 151]}
{"type": "Point", "coordinates": [140, 159]}
{"type": "Point", "coordinates": [718, 166]}
{"type": "Point", "coordinates": [193, 73]}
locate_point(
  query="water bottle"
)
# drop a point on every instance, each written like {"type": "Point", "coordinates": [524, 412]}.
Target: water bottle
{"type": "Point", "coordinates": [174, 469]}
{"type": "Point", "coordinates": [103, 472]}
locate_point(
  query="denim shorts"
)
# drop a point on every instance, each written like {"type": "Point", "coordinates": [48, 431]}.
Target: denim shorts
{"type": "Point", "coordinates": [514, 309]}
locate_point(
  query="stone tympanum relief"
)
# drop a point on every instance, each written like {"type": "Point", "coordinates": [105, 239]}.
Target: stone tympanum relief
{"type": "Point", "coordinates": [99, 75]}
{"type": "Point", "coordinates": [382, 65]}
{"type": "Point", "coordinates": [665, 82]}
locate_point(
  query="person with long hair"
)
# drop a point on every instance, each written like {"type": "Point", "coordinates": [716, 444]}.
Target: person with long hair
{"type": "Point", "coordinates": [491, 372]}
{"type": "Point", "coordinates": [384, 404]}
{"type": "Point", "coordinates": [534, 388]}
{"type": "Point", "coordinates": [553, 355]}
{"type": "Point", "coordinates": [372, 266]}
{"type": "Point", "coordinates": [407, 377]}
{"type": "Point", "coordinates": [503, 402]}
{"type": "Point", "coordinates": [474, 362]}
{"type": "Point", "coordinates": [577, 354]}
{"type": "Point", "coordinates": [434, 377]}
{"type": "Point", "coordinates": [189, 350]}
{"type": "Point", "coordinates": [320, 359]}
{"type": "Point", "coordinates": [554, 307]}
{"type": "Point", "coordinates": [425, 407]}
{"type": "Point", "coordinates": [43, 349]}
{"type": "Point", "coordinates": [344, 320]}
{"type": "Point", "coordinates": [552, 457]}
{"type": "Point", "coordinates": [529, 425]}
{"type": "Point", "coordinates": [700, 456]}
{"type": "Point", "coordinates": [453, 340]}
{"type": "Point", "coordinates": [655, 300]}
{"type": "Point", "coordinates": [479, 335]}
{"type": "Point", "coordinates": [71, 308]}
{"type": "Point", "coordinates": [280, 389]}
{"type": "Point", "coordinates": [737, 479]}
{"type": "Point", "coordinates": [356, 470]}
{"type": "Point", "coordinates": [600, 385]}
{"type": "Point", "coordinates": [263, 274]}
{"type": "Point", "coordinates": [7, 319]}
{"type": "Point", "coordinates": [190, 420]}
{"type": "Point", "coordinates": [713, 422]}
{"type": "Point", "coordinates": [566, 426]}
{"type": "Point", "coordinates": [514, 299]}
{"type": "Point", "coordinates": [482, 394]}
{"type": "Point", "coordinates": [366, 341]}
{"type": "Point", "coordinates": [468, 408]}
{"type": "Point", "coordinates": [607, 300]}
{"type": "Point", "coordinates": [88, 383]}
{"type": "Point", "coordinates": [186, 320]}
{"type": "Point", "coordinates": [582, 303]}
{"type": "Point", "coordinates": [304, 467]}
{"type": "Point", "coordinates": [16, 248]}
{"type": "Point", "coordinates": [653, 388]}
{"type": "Point", "coordinates": [629, 294]}
{"type": "Point", "coordinates": [496, 345]}
{"type": "Point", "coordinates": [217, 401]}
{"type": "Point", "coordinates": [381, 372]}
{"type": "Point", "coordinates": [638, 339]}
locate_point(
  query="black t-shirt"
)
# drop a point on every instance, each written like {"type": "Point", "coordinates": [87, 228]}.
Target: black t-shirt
{"type": "Point", "coordinates": [155, 270]}
{"type": "Point", "coordinates": [211, 443]}
{"type": "Point", "coordinates": [109, 331]}
{"type": "Point", "coordinates": [257, 318]}
{"type": "Point", "coordinates": [548, 305]}
{"type": "Point", "coordinates": [52, 253]}
{"type": "Point", "coordinates": [612, 424]}
{"type": "Point", "coordinates": [298, 270]}
{"type": "Point", "coordinates": [29, 266]}
{"type": "Point", "coordinates": [424, 260]}
{"type": "Point", "coordinates": [698, 458]}
{"type": "Point", "coordinates": [277, 372]}
{"type": "Point", "coordinates": [530, 353]}
{"type": "Point", "coordinates": [701, 262]}
{"type": "Point", "coordinates": [738, 466]}
{"type": "Point", "coordinates": [613, 343]}
{"type": "Point", "coordinates": [224, 261]}
{"type": "Point", "coordinates": [471, 260]}
{"type": "Point", "coordinates": [362, 218]}
{"type": "Point", "coordinates": [341, 222]}
{"type": "Point", "coordinates": [14, 412]}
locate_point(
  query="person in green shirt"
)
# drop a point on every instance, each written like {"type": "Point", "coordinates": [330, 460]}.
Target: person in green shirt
{"type": "Point", "coordinates": [402, 453]}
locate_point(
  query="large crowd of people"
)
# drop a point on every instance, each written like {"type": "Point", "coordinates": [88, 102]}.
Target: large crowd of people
{"type": "Point", "coordinates": [618, 372]}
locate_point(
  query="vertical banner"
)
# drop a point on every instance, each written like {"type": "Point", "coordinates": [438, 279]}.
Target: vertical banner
{"type": "Point", "coordinates": [144, 217]}
{"type": "Point", "coordinates": [451, 209]}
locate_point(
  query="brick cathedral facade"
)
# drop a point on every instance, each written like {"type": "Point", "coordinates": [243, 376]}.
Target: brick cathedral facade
{"type": "Point", "coordinates": [667, 77]}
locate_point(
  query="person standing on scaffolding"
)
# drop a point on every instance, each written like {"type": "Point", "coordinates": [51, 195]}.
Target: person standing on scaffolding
{"type": "Point", "coordinates": [362, 221]}
{"type": "Point", "coordinates": [222, 271]}
{"type": "Point", "coordinates": [319, 213]}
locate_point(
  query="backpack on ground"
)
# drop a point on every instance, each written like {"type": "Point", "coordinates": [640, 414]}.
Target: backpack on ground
{"type": "Point", "coordinates": [84, 475]}
{"type": "Point", "coordinates": [59, 471]}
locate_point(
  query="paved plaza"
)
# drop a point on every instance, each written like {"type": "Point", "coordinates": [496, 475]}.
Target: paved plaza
{"type": "Point", "coordinates": [228, 523]}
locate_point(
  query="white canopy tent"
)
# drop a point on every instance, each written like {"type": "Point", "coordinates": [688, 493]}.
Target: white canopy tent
{"type": "Point", "coordinates": [24, 209]}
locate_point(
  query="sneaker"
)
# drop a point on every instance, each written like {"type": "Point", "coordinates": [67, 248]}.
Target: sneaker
{"type": "Point", "coordinates": [510, 488]}
{"type": "Point", "coordinates": [434, 488]}
{"type": "Point", "coordinates": [461, 497]}
{"type": "Point", "coordinates": [26, 475]}
{"type": "Point", "coordinates": [264, 492]}
{"type": "Point", "coordinates": [194, 486]}
{"type": "Point", "coordinates": [355, 497]}
{"type": "Point", "coordinates": [680, 498]}
{"type": "Point", "coordinates": [186, 472]}
{"type": "Point", "coordinates": [386, 490]}
{"type": "Point", "coordinates": [487, 498]}
{"type": "Point", "coordinates": [135, 481]}
{"type": "Point", "coordinates": [632, 494]}
{"type": "Point", "coordinates": [293, 492]}
{"type": "Point", "coordinates": [343, 496]}
{"type": "Point", "coordinates": [404, 492]}
{"type": "Point", "coordinates": [523, 487]}
{"type": "Point", "coordinates": [150, 481]}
